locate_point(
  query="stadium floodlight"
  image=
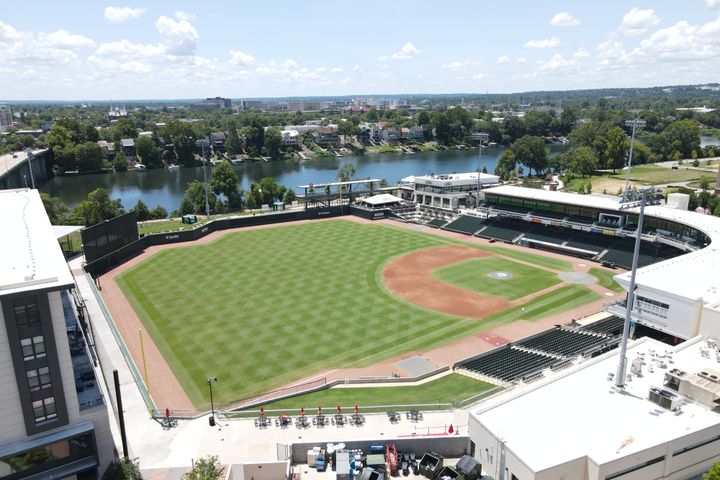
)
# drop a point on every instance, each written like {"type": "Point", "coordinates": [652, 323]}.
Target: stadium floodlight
{"type": "Point", "coordinates": [635, 123]}
{"type": "Point", "coordinates": [211, 420]}
{"type": "Point", "coordinates": [481, 136]}
{"type": "Point", "coordinates": [622, 365]}
{"type": "Point", "coordinates": [202, 143]}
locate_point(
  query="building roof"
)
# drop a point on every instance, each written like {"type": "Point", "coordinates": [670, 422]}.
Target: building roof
{"type": "Point", "coordinates": [30, 255]}
{"type": "Point", "coordinates": [454, 179]}
{"type": "Point", "coordinates": [127, 142]}
{"type": "Point", "coordinates": [604, 202]}
{"type": "Point", "coordinates": [381, 199]}
{"type": "Point", "coordinates": [580, 413]}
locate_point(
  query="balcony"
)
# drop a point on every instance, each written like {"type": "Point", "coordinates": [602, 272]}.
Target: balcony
{"type": "Point", "coordinates": [86, 383]}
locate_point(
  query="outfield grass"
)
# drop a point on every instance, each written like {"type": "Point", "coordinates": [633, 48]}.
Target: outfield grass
{"type": "Point", "coordinates": [541, 261]}
{"type": "Point", "coordinates": [559, 300]}
{"type": "Point", "coordinates": [447, 389]}
{"type": "Point", "coordinates": [474, 275]}
{"type": "Point", "coordinates": [261, 308]}
{"type": "Point", "coordinates": [605, 278]}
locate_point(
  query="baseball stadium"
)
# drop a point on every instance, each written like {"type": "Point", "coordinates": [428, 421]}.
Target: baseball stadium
{"type": "Point", "coordinates": [394, 286]}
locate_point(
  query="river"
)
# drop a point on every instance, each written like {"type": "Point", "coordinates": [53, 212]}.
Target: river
{"type": "Point", "coordinates": [164, 187]}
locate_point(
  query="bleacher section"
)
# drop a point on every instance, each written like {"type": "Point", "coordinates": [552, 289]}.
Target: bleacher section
{"type": "Point", "coordinates": [504, 229]}
{"type": "Point", "coordinates": [595, 242]}
{"type": "Point", "coordinates": [508, 364]}
{"type": "Point", "coordinates": [436, 223]}
{"type": "Point", "coordinates": [611, 326]}
{"type": "Point", "coordinates": [566, 343]}
{"type": "Point", "coordinates": [621, 253]}
{"type": "Point", "coordinates": [466, 224]}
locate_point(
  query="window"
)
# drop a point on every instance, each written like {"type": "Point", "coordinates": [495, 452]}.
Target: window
{"type": "Point", "coordinates": [635, 468]}
{"type": "Point", "coordinates": [44, 409]}
{"type": "Point", "coordinates": [27, 314]}
{"type": "Point", "coordinates": [38, 379]}
{"type": "Point", "coordinates": [48, 456]}
{"type": "Point", "coordinates": [692, 447]}
{"type": "Point", "coordinates": [33, 348]}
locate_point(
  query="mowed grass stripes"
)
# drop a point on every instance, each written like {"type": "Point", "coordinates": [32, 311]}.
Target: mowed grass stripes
{"type": "Point", "coordinates": [261, 308]}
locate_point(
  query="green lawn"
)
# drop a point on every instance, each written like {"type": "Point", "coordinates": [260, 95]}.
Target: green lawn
{"type": "Point", "coordinates": [605, 278]}
{"type": "Point", "coordinates": [474, 274]}
{"type": "Point", "coordinates": [655, 175]}
{"type": "Point", "coordinates": [448, 389]}
{"type": "Point", "coordinates": [261, 308]}
{"type": "Point", "coordinates": [541, 261]}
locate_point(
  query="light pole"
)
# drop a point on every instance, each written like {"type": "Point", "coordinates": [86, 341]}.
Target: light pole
{"type": "Point", "coordinates": [210, 381]}
{"type": "Point", "coordinates": [30, 157]}
{"type": "Point", "coordinates": [481, 136]}
{"type": "Point", "coordinates": [207, 203]}
{"type": "Point", "coordinates": [634, 123]}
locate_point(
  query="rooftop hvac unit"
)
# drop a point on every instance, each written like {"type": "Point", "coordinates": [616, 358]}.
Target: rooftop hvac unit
{"type": "Point", "coordinates": [664, 398]}
{"type": "Point", "coordinates": [710, 375]}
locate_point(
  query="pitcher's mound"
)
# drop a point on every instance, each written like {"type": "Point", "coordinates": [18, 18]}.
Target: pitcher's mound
{"type": "Point", "coordinates": [500, 275]}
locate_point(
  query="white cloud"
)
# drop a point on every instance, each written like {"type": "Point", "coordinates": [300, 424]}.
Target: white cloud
{"type": "Point", "coordinates": [637, 21]}
{"type": "Point", "coordinates": [581, 53]}
{"type": "Point", "coordinates": [241, 58]}
{"type": "Point", "coordinates": [357, 68]}
{"type": "Point", "coordinates": [712, 4]}
{"type": "Point", "coordinates": [556, 62]}
{"type": "Point", "coordinates": [188, 17]}
{"type": "Point", "coordinates": [544, 43]}
{"type": "Point", "coordinates": [68, 41]}
{"type": "Point", "coordinates": [336, 70]}
{"type": "Point", "coordinates": [521, 60]}
{"type": "Point", "coordinates": [383, 58]}
{"type": "Point", "coordinates": [122, 14]}
{"type": "Point", "coordinates": [406, 51]}
{"type": "Point", "coordinates": [564, 19]}
{"type": "Point", "coordinates": [503, 59]}
{"type": "Point", "coordinates": [479, 76]}
{"type": "Point", "coordinates": [180, 35]}
{"type": "Point", "coordinates": [452, 66]}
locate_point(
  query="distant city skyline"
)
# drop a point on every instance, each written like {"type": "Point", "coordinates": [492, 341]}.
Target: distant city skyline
{"type": "Point", "coordinates": [181, 49]}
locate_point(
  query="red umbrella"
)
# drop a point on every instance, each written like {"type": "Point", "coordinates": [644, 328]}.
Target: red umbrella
{"type": "Point", "coordinates": [302, 411]}
{"type": "Point", "coordinates": [262, 411]}
{"type": "Point", "coordinates": [451, 429]}
{"type": "Point", "coordinates": [356, 408]}
{"type": "Point", "coordinates": [339, 409]}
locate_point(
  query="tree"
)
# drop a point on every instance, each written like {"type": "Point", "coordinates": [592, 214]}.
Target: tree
{"type": "Point", "coordinates": [347, 128]}
{"type": "Point", "coordinates": [616, 148]}
{"type": "Point", "coordinates": [224, 180]}
{"type": "Point", "coordinates": [568, 117]}
{"type": "Point", "coordinates": [514, 128]}
{"type": "Point", "coordinates": [125, 469]}
{"type": "Point", "coordinates": [253, 197]}
{"type": "Point", "coordinates": [537, 123]}
{"type": "Point", "coordinates": [531, 152]}
{"type": "Point", "coordinates": [148, 152]}
{"type": "Point", "coordinates": [183, 138]}
{"type": "Point", "coordinates": [713, 473]}
{"type": "Point", "coordinates": [142, 212]}
{"type": "Point", "coordinates": [220, 206]}
{"type": "Point", "coordinates": [56, 210]}
{"type": "Point", "coordinates": [206, 468]}
{"type": "Point", "coordinates": [158, 213]}
{"type": "Point", "coordinates": [346, 172]}
{"type": "Point", "coordinates": [194, 199]}
{"type": "Point", "coordinates": [119, 163]}
{"type": "Point", "coordinates": [506, 165]}
{"type": "Point", "coordinates": [96, 208]}
{"type": "Point", "coordinates": [423, 118]}
{"type": "Point", "coordinates": [233, 145]}
{"type": "Point", "coordinates": [270, 190]}
{"type": "Point", "coordinates": [581, 161]}
{"type": "Point", "coordinates": [89, 156]}
{"type": "Point", "coordinates": [273, 137]}
{"type": "Point", "coordinates": [289, 196]}
{"type": "Point", "coordinates": [684, 136]}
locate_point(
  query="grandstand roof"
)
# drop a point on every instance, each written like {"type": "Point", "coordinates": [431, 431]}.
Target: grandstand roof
{"type": "Point", "coordinates": [453, 179]}
{"type": "Point", "coordinates": [30, 255]}
{"type": "Point", "coordinates": [605, 202]}
{"type": "Point", "coordinates": [579, 413]}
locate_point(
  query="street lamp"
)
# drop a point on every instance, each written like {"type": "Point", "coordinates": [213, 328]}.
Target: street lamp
{"type": "Point", "coordinates": [207, 203]}
{"type": "Point", "coordinates": [30, 157]}
{"type": "Point", "coordinates": [635, 123]}
{"type": "Point", "coordinates": [210, 381]}
{"type": "Point", "coordinates": [481, 136]}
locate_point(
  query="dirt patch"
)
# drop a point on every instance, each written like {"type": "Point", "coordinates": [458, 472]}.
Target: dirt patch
{"type": "Point", "coordinates": [410, 277]}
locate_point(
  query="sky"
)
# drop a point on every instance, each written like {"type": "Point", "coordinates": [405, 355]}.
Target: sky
{"type": "Point", "coordinates": [91, 50]}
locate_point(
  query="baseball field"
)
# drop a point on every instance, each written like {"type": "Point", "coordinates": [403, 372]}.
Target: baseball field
{"type": "Point", "coordinates": [260, 308]}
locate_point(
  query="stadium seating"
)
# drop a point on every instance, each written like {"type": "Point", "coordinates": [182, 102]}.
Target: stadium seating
{"type": "Point", "coordinates": [595, 242]}
{"type": "Point", "coordinates": [504, 229]}
{"type": "Point", "coordinates": [436, 223]}
{"type": "Point", "coordinates": [465, 224]}
{"type": "Point", "coordinates": [564, 342]}
{"type": "Point", "coordinates": [508, 364]}
{"type": "Point", "coordinates": [585, 220]}
{"type": "Point", "coordinates": [510, 208]}
{"type": "Point", "coordinates": [549, 234]}
{"type": "Point", "coordinates": [546, 214]}
{"type": "Point", "coordinates": [621, 253]}
{"type": "Point", "coordinates": [611, 326]}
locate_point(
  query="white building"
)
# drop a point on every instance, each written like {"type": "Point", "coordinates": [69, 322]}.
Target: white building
{"type": "Point", "coordinates": [290, 138]}
{"type": "Point", "coordinates": [577, 425]}
{"type": "Point", "coordinates": [449, 191]}
{"type": "Point", "coordinates": [54, 421]}
{"type": "Point", "coordinates": [5, 117]}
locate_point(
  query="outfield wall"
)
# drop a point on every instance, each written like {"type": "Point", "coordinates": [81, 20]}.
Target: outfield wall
{"type": "Point", "coordinates": [115, 258]}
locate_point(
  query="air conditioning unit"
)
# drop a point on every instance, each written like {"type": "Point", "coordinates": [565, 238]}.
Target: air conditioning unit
{"type": "Point", "coordinates": [664, 398]}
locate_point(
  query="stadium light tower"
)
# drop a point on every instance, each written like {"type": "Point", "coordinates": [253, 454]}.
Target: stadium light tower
{"type": "Point", "coordinates": [202, 143]}
{"type": "Point", "coordinates": [635, 123]}
{"type": "Point", "coordinates": [481, 136]}
{"type": "Point", "coordinates": [211, 420]}
{"type": "Point", "coordinates": [627, 202]}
